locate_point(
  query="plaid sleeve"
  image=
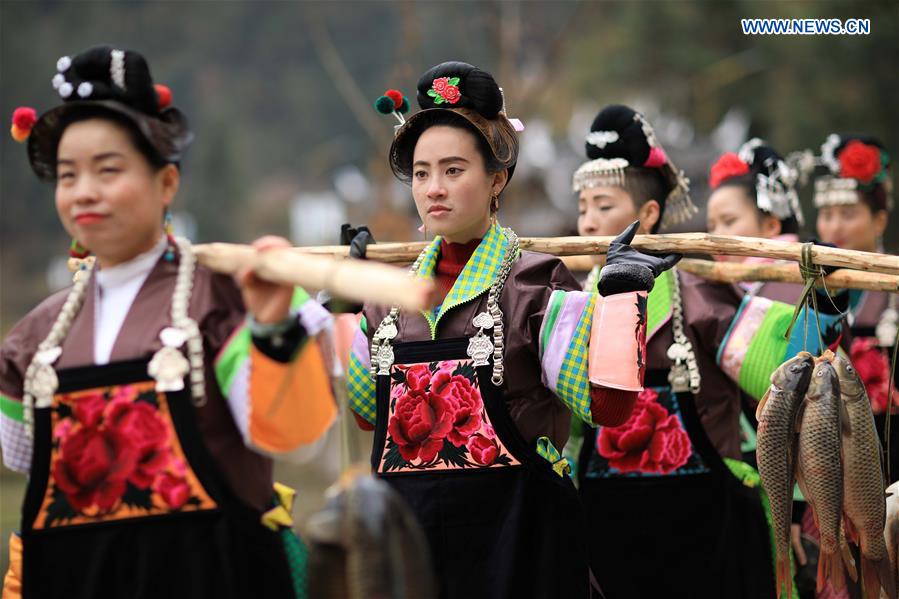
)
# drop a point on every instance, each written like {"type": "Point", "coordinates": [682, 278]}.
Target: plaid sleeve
{"type": "Point", "coordinates": [15, 443]}
{"type": "Point", "coordinates": [564, 341]}
{"type": "Point", "coordinates": [360, 386]}
{"type": "Point", "coordinates": [756, 343]}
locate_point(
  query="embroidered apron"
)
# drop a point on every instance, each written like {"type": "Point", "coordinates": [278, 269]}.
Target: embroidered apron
{"type": "Point", "coordinates": [657, 483]}
{"type": "Point", "coordinates": [499, 520]}
{"type": "Point", "coordinates": [125, 501]}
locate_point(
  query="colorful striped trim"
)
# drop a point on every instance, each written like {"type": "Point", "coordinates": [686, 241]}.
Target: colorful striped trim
{"type": "Point", "coordinates": [558, 329]}
{"type": "Point", "coordinates": [12, 408]}
{"type": "Point", "coordinates": [573, 386]}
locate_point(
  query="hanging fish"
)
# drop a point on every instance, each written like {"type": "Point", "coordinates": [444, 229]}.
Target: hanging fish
{"type": "Point", "coordinates": [776, 451]}
{"type": "Point", "coordinates": [864, 501]}
{"type": "Point", "coordinates": [820, 465]}
{"type": "Point", "coordinates": [366, 544]}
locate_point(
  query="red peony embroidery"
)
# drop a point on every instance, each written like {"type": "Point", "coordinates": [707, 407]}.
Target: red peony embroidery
{"type": "Point", "coordinates": [139, 422]}
{"type": "Point", "coordinates": [174, 490]}
{"type": "Point", "coordinates": [445, 89]}
{"type": "Point", "coordinates": [452, 94]}
{"type": "Point", "coordinates": [859, 161]}
{"type": "Point", "coordinates": [729, 165]}
{"type": "Point", "coordinates": [440, 84]}
{"type": "Point", "coordinates": [873, 369]}
{"type": "Point", "coordinates": [420, 422]}
{"type": "Point", "coordinates": [89, 409]}
{"type": "Point", "coordinates": [93, 465]}
{"type": "Point", "coordinates": [466, 403]}
{"type": "Point", "coordinates": [418, 377]}
{"type": "Point", "coordinates": [651, 441]}
{"type": "Point", "coordinates": [483, 450]}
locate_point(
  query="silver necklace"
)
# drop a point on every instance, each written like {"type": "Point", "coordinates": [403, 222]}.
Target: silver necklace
{"type": "Point", "coordinates": [480, 346]}
{"type": "Point", "coordinates": [684, 373]}
{"type": "Point", "coordinates": [41, 382]}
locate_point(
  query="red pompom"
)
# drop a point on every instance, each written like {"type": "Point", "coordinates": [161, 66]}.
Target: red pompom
{"type": "Point", "coordinates": [24, 117]}
{"type": "Point", "coordinates": [729, 165]}
{"type": "Point", "coordinates": [164, 94]}
{"type": "Point", "coordinates": [396, 96]}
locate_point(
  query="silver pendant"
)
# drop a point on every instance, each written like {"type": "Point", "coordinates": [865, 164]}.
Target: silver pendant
{"type": "Point", "coordinates": [168, 368]}
{"type": "Point", "coordinates": [480, 347]}
{"type": "Point", "coordinates": [44, 385]}
{"type": "Point", "coordinates": [887, 328]}
{"type": "Point", "coordinates": [483, 321]}
{"type": "Point", "coordinates": [678, 352]}
{"type": "Point", "coordinates": [385, 359]}
{"type": "Point", "coordinates": [679, 378]}
{"type": "Point", "coordinates": [388, 332]}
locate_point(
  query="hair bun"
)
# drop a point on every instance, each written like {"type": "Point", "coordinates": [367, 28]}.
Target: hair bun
{"type": "Point", "coordinates": [460, 85]}
{"type": "Point", "coordinates": [617, 133]}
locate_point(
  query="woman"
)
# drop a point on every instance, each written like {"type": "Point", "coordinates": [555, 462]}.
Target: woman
{"type": "Point", "coordinates": [854, 201]}
{"type": "Point", "coordinates": [145, 402]}
{"type": "Point", "coordinates": [668, 481]}
{"type": "Point", "coordinates": [470, 401]}
{"type": "Point", "coordinates": [754, 195]}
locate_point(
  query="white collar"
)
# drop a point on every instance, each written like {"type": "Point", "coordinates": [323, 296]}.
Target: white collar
{"type": "Point", "coordinates": [138, 267]}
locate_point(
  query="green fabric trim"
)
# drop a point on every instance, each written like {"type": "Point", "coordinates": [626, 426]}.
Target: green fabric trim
{"type": "Point", "coordinates": [766, 350]}
{"type": "Point", "coordinates": [659, 303]}
{"type": "Point", "coordinates": [749, 438]}
{"type": "Point", "coordinates": [299, 297]}
{"type": "Point", "coordinates": [476, 278]}
{"type": "Point", "coordinates": [297, 561]}
{"type": "Point", "coordinates": [750, 478]}
{"type": "Point", "coordinates": [548, 451]}
{"type": "Point", "coordinates": [232, 358]}
{"type": "Point", "coordinates": [556, 301]}
{"type": "Point", "coordinates": [11, 408]}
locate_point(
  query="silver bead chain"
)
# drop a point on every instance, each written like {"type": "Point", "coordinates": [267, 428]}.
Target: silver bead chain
{"type": "Point", "coordinates": [180, 303]}
{"type": "Point", "coordinates": [680, 338]}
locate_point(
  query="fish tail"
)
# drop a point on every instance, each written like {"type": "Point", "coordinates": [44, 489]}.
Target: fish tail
{"type": "Point", "coordinates": [848, 560]}
{"type": "Point", "coordinates": [784, 576]}
{"type": "Point", "coordinates": [877, 574]}
{"type": "Point", "coordinates": [830, 567]}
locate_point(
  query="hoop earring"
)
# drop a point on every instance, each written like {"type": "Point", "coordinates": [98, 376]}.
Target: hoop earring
{"type": "Point", "coordinates": [170, 235]}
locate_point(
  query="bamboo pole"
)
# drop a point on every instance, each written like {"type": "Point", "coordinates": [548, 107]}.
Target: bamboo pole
{"type": "Point", "coordinates": [735, 272]}
{"type": "Point", "coordinates": [684, 243]}
{"type": "Point", "coordinates": [355, 280]}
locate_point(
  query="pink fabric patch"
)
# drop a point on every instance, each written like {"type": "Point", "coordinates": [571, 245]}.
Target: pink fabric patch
{"type": "Point", "coordinates": [656, 158]}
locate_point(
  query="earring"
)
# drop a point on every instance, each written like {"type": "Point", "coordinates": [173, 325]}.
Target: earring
{"type": "Point", "coordinates": [169, 233]}
{"type": "Point", "coordinates": [80, 259]}
{"type": "Point", "coordinates": [494, 203]}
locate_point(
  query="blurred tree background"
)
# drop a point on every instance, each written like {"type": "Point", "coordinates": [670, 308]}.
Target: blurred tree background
{"type": "Point", "coordinates": [279, 94]}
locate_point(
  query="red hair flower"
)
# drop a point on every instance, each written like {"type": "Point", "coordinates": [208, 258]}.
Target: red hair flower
{"type": "Point", "coordinates": [729, 165]}
{"type": "Point", "coordinates": [23, 119]}
{"type": "Point", "coordinates": [859, 161]}
{"type": "Point", "coordinates": [164, 95]}
{"type": "Point", "coordinates": [445, 89]}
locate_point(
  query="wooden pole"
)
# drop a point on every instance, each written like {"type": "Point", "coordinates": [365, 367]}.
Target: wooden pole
{"type": "Point", "coordinates": [735, 272]}
{"type": "Point", "coordinates": [684, 243]}
{"type": "Point", "coordinates": [354, 280]}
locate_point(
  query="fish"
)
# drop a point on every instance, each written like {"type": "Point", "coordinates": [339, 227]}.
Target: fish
{"type": "Point", "coordinates": [891, 532]}
{"type": "Point", "coordinates": [820, 465]}
{"type": "Point", "coordinates": [864, 499]}
{"type": "Point", "coordinates": [366, 544]}
{"type": "Point", "coordinates": [776, 451]}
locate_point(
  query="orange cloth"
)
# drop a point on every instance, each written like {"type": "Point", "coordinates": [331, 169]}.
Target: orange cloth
{"type": "Point", "coordinates": [12, 583]}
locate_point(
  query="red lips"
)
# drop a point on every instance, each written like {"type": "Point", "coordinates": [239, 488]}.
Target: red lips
{"type": "Point", "coordinates": [89, 218]}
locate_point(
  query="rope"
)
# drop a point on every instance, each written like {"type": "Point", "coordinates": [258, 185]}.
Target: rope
{"type": "Point", "coordinates": [810, 272]}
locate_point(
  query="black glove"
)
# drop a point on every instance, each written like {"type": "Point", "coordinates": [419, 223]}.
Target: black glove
{"type": "Point", "coordinates": [357, 238]}
{"type": "Point", "coordinates": [627, 269]}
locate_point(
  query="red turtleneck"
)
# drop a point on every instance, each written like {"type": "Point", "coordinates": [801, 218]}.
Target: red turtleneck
{"type": "Point", "coordinates": [453, 258]}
